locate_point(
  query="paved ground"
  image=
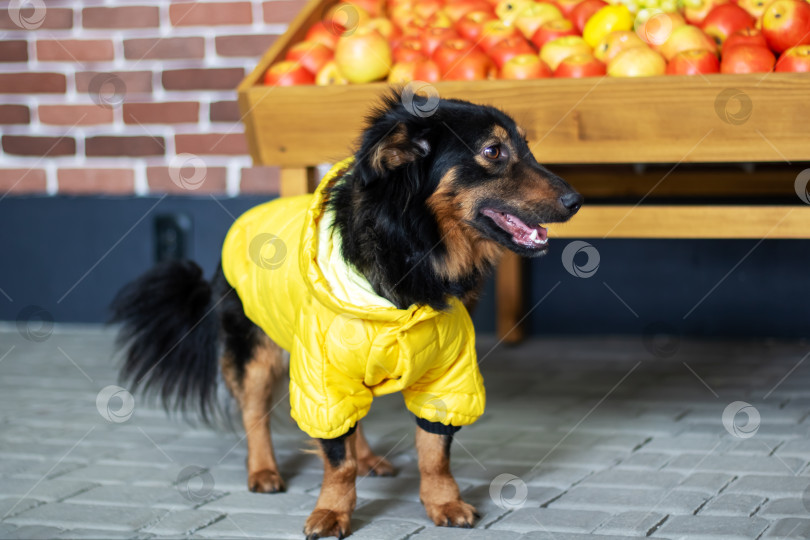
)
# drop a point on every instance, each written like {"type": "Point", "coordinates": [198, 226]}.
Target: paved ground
{"type": "Point", "coordinates": [601, 439]}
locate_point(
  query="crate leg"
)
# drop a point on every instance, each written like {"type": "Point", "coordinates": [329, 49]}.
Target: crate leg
{"type": "Point", "coordinates": [297, 181]}
{"type": "Point", "coordinates": [509, 298]}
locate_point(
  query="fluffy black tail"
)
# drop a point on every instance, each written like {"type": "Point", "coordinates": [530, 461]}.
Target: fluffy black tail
{"type": "Point", "coordinates": [170, 336]}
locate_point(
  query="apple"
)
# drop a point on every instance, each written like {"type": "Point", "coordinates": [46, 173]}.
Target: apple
{"type": "Point", "coordinates": [755, 7]}
{"type": "Point", "coordinates": [616, 42]}
{"type": "Point", "coordinates": [402, 72]}
{"type": "Point", "coordinates": [654, 26]}
{"type": "Point", "coordinates": [637, 62]}
{"type": "Point", "coordinates": [724, 20]}
{"type": "Point", "coordinates": [747, 59]}
{"type": "Point", "coordinates": [456, 9]}
{"type": "Point", "coordinates": [606, 20]}
{"type": "Point", "coordinates": [509, 10]}
{"type": "Point", "coordinates": [433, 37]}
{"type": "Point", "coordinates": [550, 30]}
{"type": "Point", "coordinates": [426, 70]}
{"type": "Point", "coordinates": [578, 66]}
{"type": "Point", "coordinates": [746, 36]}
{"type": "Point", "coordinates": [685, 38]}
{"type": "Point", "coordinates": [693, 62]}
{"type": "Point", "coordinates": [471, 67]}
{"type": "Point", "coordinates": [566, 6]}
{"type": "Point", "coordinates": [786, 24]}
{"type": "Point", "coordinates": [584, 11]}
{"type": "Point", "coordinates": [695, 11]}
{"type": "Point", "coordinates": [373, 7]}
{"type": "Point", "coordinates": [423, 9]}
{"type": "Point", "coordinates": [557, 50]}
{"type": "Point", "coordinates": [525, 66]}
{"type": "Point", "coordinates": [326, 35]}
{"type": "Point", "coordinates": [508, 48]}
{"type": "Point", "coordinates": [471, 25]}
{"type": "Point", "coordinates": [450, 51]}
{"type": "Point", "coordinates": [795, 59]}
{"type": "Point", "coordinates": [494, 32]}
{"type": "Point", "coordinates": [363, 56]}
{"type": "Point", "coordinates": [385, 27]}
{"type": "Point", "coordinates": [288, 73]}
{"type": "Point", "coordinates": [401, 15]}
{"type": "Point", "coordinates": [310, 54]}
{"type": "Point", "coordinates": [330, 74]}
{"type": "Point", "coordinates": [440, 19]}
{"type": "Point", "coordinates": [534, 16]}
{"type": "Point", "coordinates": [345, 17]}
{"type": "Point", "coordinates": [409, 50]}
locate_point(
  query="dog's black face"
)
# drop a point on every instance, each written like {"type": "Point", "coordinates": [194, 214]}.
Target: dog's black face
{"type": "Point", "coordinates": [434, 197]}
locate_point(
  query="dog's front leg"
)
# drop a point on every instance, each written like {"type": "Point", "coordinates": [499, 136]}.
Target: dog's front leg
{"type": "Point", "coordinates": [438, 489]}
{"type": "Point", "coordinates": [333, 511]}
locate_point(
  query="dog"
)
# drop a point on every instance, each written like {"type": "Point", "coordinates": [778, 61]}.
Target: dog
{"type": "Point", "coordinates": [367, 283]}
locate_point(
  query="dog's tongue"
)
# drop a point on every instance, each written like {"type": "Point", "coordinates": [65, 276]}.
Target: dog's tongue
{"type": "Point", "coordinates": [521, 233]}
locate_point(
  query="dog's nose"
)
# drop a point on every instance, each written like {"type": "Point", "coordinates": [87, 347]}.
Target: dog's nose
{"type": "Point", "coordinates": [572, 201]}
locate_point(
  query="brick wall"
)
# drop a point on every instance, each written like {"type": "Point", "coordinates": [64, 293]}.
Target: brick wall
{"type": "Point", "coordinates": [126, 96]}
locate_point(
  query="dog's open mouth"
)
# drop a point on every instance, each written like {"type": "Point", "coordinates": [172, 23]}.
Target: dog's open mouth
{"type": "Point", "coordinates": [523, 235]}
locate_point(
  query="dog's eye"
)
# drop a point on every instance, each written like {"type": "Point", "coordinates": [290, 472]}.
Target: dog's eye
{"type": "Point", "coordinates": [492, 152]}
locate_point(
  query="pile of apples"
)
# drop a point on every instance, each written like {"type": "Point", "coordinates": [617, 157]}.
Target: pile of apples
{"type": "Point", "coordinates": [360, 41]}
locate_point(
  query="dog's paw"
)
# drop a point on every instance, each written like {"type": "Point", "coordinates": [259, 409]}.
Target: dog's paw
{"type": "Point", "coordinates": [322, 523]}
{"type": "Point", "coordinates": [375, 466]}
{"type": "Point", "coordinates": [265, 481]}
{"type": "Point", "coordinates": [452, 514]}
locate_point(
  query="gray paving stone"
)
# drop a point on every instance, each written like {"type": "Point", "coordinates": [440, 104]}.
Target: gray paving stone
{"type": "Point", "coordinates": [634, 523]}
{"type": "Point", "coordinates": [789, 529]}
{"type": "Point", "coordinates": [272, 503]}
{"type": "Point", "coordinates": [276, 526]}
{"type": "Point", "coordinates": [13, 506]}
{"type": "Point", "coordinates": [73, 516]}
{"type": "Point", "coordinates": [550, 520]}
{"type": "Point", "coordinates": [635, 479]}
{"type": "Point", "coordinates": [396, 510]}
{"type": "Point", "coordinates": [729, 463]}
{"type": "Point", "coordinates": [559, 477]}
{"type": "Point", "coordinates": [32, 532]}
{"type": "Point", "coordinates": [48, 490]}
{"type": "Point", "coordinates": [712, 528]}
{"type": "Point", "coordinates": [448, 533]}
{"type": "Point", "coordinates": [183, 522]}
{"type": "Point", "coordinates": [784, 508]}
{"type": "Point", "coordinates": [139, 496]}
{"type": "Point", "coordinates": [567, 536]}
{"type": "Point", "coordinates": [646, 460]}
{"type": "Point", "coordinates": [129, 474]}
{"type": "Point", "coordinates": [100, 534]}
{"type": "Point", "coordinates": [708, 483]}
{"type": "Point", "coordinates": [389, 529]}
{"type": "Point", "coordinates": [773, 487]}
{"type": "Point", "coordinates": [733, 504]}
{"type": "Point", "coordinates": [619, 499]}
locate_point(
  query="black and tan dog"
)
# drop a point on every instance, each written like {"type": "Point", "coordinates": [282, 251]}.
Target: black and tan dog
{"type": "Point", "coordinates": [365, 283]}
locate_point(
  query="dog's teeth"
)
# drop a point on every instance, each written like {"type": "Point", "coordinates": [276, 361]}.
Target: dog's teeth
{"type": "Point", "coordinates": [543, 241]}
{"type": "Point", "coordinates": [533, 236]}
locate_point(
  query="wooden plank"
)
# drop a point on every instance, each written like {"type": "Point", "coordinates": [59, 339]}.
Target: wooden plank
{"type": "Point", "coordinates": [599, 120]}
{"type": "Point", "coordinates": [297, 181]}
{"type": "Point", "coordinates": [509, 298]}
{"type": "Point", "coordinates": [704, 221]}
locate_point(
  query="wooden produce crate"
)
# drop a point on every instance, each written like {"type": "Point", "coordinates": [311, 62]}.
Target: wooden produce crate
{"type": "Point", "coordinates": [667, 119]}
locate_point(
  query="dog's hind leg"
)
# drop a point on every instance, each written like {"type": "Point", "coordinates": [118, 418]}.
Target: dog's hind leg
{"type": "Point", "coordinates": [369, 463]}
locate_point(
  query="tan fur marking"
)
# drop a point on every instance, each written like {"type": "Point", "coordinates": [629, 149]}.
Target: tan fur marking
{"type": "Point", "coordinates": [338, 497]}
{"type": "Point", "coordinates": [369, 463]}
{"type": "Point", "coordinates": [393, 151]}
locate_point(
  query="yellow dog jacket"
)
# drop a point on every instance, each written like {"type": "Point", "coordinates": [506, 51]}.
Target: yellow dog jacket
{"type": "Point", "coordinates": [346, 344]}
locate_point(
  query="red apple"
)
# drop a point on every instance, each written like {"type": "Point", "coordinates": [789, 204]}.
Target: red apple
{"type": "Point", "coordinates": [786, 24]}
{"type": "Point", "coordinates": [495, 31]}
{"type": "Point", "coordinates": [637, 62]}
{"type": "Point", "coordinates": [654, 26]}
{"type": "Point", "coordinates": [695, 11]}
{"type": "Point", "coordinates": [693, 62]}
{"type": "Point", "coordinates": [616, 42]}
{"type": "Point", "coordinates": [747, 59]}
{"type": "Point", "coordinates": [755, 7]}
{"type": "Point", "coordinates": [795, 59]}
{"type": "Point", "coordinates": [373, 7]}
{"type": "Point", "coordinates": [426, 70]}
{"type": "Point", "coordinates": [724, 20]}
{"type": "Point", "coordinates": [456, 9]}
{"type": "Point", "coordinates": [509, 10]}
{"type": "Point", "coordinates": [686, 38]}
{"type": "Point", "coordinates": [584, 11]}
{"type": "Point", "coordinates": [550, 30]}
{"type": "Point", "coordinates": [534, 15]}
{"type": "Point", "coordinates": [578, 66]}
{"type": "Point", "coordinates": [327, 35]}
{"type": "Point", "coordinates": [508, 48]}
{"type": "Point", "coordinates": [567, 6]}
{"type": "Point", "coordinates": [385, 27]}
{"type": "Point", "coordinates": [525, 66]}
{"type": "Point", "coordinates": [330, 74]}
{"type": "Point", "coordinates": [363, 56]}
{"type": "Point", "coordinates": [310, 54]}
{"type": "Point", "coordinates": [471, 67]}
{"type": "Point", "coordinates": [450, 51]}
{"type": "Point", "coordinates": [471, 25]}
{"type": "Point", "coordinates": [557, 50]}
{"type": "Point", "coordinates": [288, 73]}
{"type": "Point", "coordinates": [402, 72]}
{"type": "Point", "coordinates": [409, 50]}
{"type": "Point", "coordinates": [434, 37]}
{"type": "Point", "coordinates": [401, 15]}
{"type": "Point", "coordinates": [425, 8]}
{"type": "Point", "coordinates": [440, 19]}
{"type": "Point", "coordinates": [746, 36]}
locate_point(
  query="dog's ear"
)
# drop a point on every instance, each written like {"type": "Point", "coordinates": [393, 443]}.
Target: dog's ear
{"type": "Point", "coordinates": [398, 147]}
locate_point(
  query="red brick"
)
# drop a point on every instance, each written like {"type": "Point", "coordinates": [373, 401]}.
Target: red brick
{"type": "Point", "coordinates": [230, 144]}
{"type": "Point", "coordinates": [104, 145]}
{"type": "Point", "coordinates": [14, 114]}
{"type": "Point", "coordinates": [121, 17]}
{"type": "Point", "coordinates": [260, 180]}
{"type": "Point", "coordinates": [19, 181]}
{"type": "Point", "coordinates": [23, 145]}
{"type": "Point", "coordinates": [210, 13]}
{"type": "Point", "coordinates": [281, 11]}
{"type": "Point", "coordinates": [160, 181]}
{"type": "Point", "coordinates": [250, 46]}
{"type": "Point", "coordinates": [161, 113]}
{"type": "Point", "coordinates": [135, 82]}
{"type": "Point", "coordinates": [70, 115]}
{"type": "Point", "coordinates": [225, 111]}
{"type": "Point", "coordinates": [32, 83]}
{"type": "Point", "coordinates": [203, 79]}
{"type": "Point", "coordinates": [75, 50]}
{"type": "Point", "coordinates": [14, 51]}
{"type": "Point", "coordinates": [164, 48]}
{"type": "Point", "coordinates": [86, 181]}
{"type": "Point", "coordinates": [55, 19]}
